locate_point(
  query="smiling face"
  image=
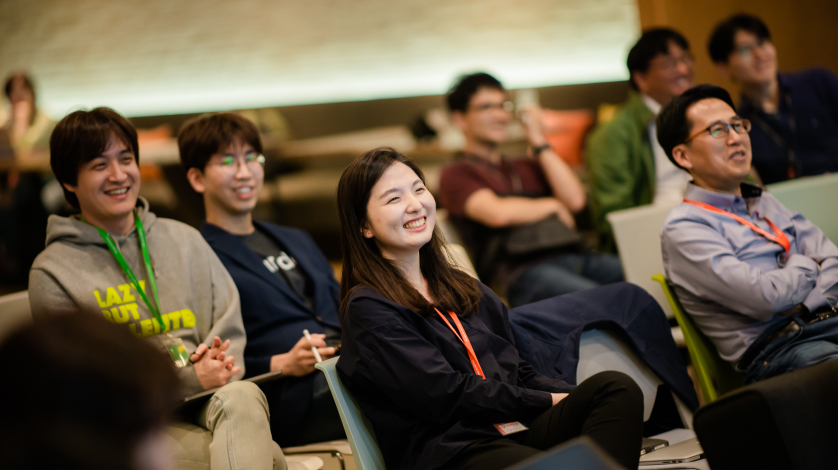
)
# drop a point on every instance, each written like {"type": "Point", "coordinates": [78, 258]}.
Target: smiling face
{"type": "Point", "coordinates": [716, 163]}
{"type": "Point", "coordinates": [401, 213]}
{"type": "Point", "coordinates": [108, 186]}
{"type": "Point", "coordinates": [487, 117]}
{"type": "Point", "coordinates": [668, 75]}
{"type": "Point", "coordinates": [753, 60]}
{"type": "Point", "coordinates": [231, 180]}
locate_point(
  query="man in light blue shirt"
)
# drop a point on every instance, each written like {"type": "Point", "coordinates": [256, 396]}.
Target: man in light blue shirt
{"type": "Point", "coordinates": [759, 279]}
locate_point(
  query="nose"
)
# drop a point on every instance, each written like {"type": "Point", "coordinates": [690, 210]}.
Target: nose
{"type": "Point", "coordinates": [116, 172]}
{"type": "Point", "coordinates": [733, 137]}
{"type": "Point", "coordinates": [413, 203]}
{"type": "Point", "coordinates": [243, 170]}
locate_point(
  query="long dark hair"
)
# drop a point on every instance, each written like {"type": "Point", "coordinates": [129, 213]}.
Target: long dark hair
{"type": "Point", "coordinates": [363, 264]}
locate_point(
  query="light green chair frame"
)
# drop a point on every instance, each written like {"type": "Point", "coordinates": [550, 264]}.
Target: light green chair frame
{"type": "Point", "coordinates": [359, 431]}
{"type": "Point", "coordinates": [715, 375]}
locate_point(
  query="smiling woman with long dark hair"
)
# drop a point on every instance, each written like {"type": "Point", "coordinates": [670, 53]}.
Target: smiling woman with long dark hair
{"type": "Point", "coordinates": [428, 351]}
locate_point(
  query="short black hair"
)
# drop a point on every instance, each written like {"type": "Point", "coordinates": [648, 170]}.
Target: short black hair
{"type": "Point", "coordinates": [82, 136]}
{"type": "Point", "coordinates": [653, 42]}
{"type": "Point", "coordinates": [466, 86]}
{"type": "Point", "coordinates": [202, 137]}
{"type": "Point", "coordinates": [673, 127]}
{"type": "Point", "coordinates": [721, 43]}
{"type": "Point", "coordinates": [27, 81]}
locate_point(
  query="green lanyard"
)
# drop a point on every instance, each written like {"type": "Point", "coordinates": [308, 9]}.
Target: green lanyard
{"type": "Point", "coordinates": [155, 308]}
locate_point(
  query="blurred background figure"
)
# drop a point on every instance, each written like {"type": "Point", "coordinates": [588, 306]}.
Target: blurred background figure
{"type": "Point", "coordinates": [84, 394]}
{"type": "Point", "coordinates": [794, 115]}
{"type": "Point", "coordinates": [25, 181]}
{"type": "Point", "coordinates": [628, 168]}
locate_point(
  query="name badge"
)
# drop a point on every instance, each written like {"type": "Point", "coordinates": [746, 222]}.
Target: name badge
{"type": "Point", "coordinates": [176, 350]}
{"type": "Point", "coordinates": [511, 427]}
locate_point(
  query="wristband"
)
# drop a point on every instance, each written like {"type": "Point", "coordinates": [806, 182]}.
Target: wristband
{"type": "Point", "coordinates": [536, 151]}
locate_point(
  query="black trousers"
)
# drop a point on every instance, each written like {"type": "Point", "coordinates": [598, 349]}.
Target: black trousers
{"type": "Point", "coordinates": [607, 407]}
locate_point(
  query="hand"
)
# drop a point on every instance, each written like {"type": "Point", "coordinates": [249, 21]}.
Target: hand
{"type": "Point", "coordinates": [212, 364]}
{"type": "Point", "coordinates": [563, 213]}
{"type": "Point", "coordinates": [300, 360]}
{"type": "Point", "coordinates": [557, 397]}
{"type": "Point", "coordinates": [531, 119]}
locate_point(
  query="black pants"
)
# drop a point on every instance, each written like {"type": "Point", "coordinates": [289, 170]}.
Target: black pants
{"type": "Point", "coordinates": [607, 407]}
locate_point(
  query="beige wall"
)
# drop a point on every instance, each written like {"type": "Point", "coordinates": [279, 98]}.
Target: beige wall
{"type": "Point", "coordinates": [148, 57]}
{"type": "Point", "coordinates": [803, 31]}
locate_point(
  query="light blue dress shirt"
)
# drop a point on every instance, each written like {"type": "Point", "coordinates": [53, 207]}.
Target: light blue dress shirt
{"type": "Point", "coordinates": [732, 280]}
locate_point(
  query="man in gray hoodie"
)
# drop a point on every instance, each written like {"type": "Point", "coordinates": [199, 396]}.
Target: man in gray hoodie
{"type": "Point", "coordinates": [157, 277]}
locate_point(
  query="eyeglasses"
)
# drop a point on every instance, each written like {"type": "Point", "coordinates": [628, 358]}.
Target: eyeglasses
{"type": "Point", "coordinates": [720, 130]}
{"type": "Point", "coordinates": [747, 50]}
{"type": "Point", "coordinates": [670, 63]}
{"type": "Point", "coordinates": [231, 164]}
{"type": "Point", "coordinates": [507, 106]}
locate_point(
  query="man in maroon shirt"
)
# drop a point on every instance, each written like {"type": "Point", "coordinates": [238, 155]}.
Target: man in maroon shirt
{"type": "Point", "coordinates": [488, 194]}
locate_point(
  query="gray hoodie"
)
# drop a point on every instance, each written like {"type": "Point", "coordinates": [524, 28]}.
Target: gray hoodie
{"type": "Point", "coordinates": [198, 298]}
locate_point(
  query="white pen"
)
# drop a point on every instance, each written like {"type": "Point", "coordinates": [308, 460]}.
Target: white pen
{"type": "Point", "coordinates": [313, 349]}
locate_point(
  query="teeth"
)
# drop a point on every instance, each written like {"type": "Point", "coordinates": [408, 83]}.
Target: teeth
{"type": "Point", "coordinates": [243, 190]}
{"type": "Point", "coordinates": [117, 192]}
{"type": "Point", "coordinates": [415, 224]}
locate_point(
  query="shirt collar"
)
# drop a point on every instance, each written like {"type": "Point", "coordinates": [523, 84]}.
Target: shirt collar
{"type": "Point", "coordinates": [650, 103]}
{"type": "Point", "coordinates": [748, 203]}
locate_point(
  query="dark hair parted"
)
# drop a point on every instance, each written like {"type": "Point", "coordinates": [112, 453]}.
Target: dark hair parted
{"type": "Point", "coordinates": [82, 136]}
{"type": "Point", "coordinates": [466, 86]}
{"type": "Point", "coordinates": [653, 42]}
{"type": "Point", "coordinates": [721, 43]}
{"type": "Point", "coordinates": [27, 82]}
{"type": "Point", "coordinates": [115, 390]}
{"type": "Point", "coordinates": [204, 136]}
{"type": "Point", "coordinates": [672, 124]}
{"type": "Point", "coordinates": [363, 264]}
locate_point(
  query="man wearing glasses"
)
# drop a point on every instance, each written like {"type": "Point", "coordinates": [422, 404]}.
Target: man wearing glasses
{"type": "Point", "coordinates": [285, 283]}
{"type": "Point", "coordinates": [627, 166]}
{"type": "Point", "coordinates": [759, 279]}
{"type": "Point", "coordinates": [794, 115]}
{"type": "Point", "coordinates": [488, 195]}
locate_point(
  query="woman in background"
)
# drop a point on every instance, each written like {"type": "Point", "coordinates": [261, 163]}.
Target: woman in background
{"type": "Point", "coordinates": [428, 351]}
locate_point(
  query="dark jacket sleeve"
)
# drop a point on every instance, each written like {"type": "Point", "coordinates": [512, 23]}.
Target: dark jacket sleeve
{"type": "Point", "coordinates": [496, 317]}
{"type": "Point", "coordinates": [392, 357]}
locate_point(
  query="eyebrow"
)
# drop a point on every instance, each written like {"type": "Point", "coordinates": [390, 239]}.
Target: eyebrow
{"type": "Point", "coordinates": [394, 190]}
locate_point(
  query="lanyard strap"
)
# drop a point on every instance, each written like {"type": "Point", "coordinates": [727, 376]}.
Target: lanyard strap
{"type": "Point", "coordinates": [463, 337]}
{"type": "Point", "coordinates": [155, 308]}
{"type": "Point", "coordinates": [778, 237]}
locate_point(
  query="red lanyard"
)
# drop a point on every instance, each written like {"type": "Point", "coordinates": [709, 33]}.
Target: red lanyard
{"type": "Point", "coordinates": [463, 339]}
{"type": "Point", "coordinates": [778, 236]}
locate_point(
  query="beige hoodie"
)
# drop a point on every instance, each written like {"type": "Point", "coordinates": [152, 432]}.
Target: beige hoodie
{"type": "Point", "coordinates": [198, 298]}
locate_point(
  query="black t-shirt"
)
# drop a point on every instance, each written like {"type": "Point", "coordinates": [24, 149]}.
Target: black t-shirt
{"type": "Point", "coordinates": [277, 261]}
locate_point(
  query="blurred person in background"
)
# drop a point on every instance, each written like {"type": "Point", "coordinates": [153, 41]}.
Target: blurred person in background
{"type": "Point", "coordinates": [794, 115]}
{"type": "Point", "coordinates": [27, 192]}
{"type": "Point", "coordinates": [285, 283]}
{"type": "Point", "coordinates": [84, 394]}
{"type": "Point", "coordinates": [628, 168]}
{"type": "Point", "coordinates": [494, 200]}
{"type": "Point", "coordinates": [155, 277]}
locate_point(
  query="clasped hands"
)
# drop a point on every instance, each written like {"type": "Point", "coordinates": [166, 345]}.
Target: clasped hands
{"type": "Point", "coordinates": [213, 366]}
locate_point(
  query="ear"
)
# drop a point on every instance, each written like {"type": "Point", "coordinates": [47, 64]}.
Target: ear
{"type": "Point", "coordinates": [724, 71]}
{"type": "Point", "coordinates": [72, 189]}
{"type": "Point", "coordinates": [640, 80]}
{"type": "Point", "coordinates": [680, 155]}
{"type": "Point", "coordinates": [196, 179]}
{"type": "Point", "coordinates": [365, 230]}
{"type": "Point", "coordinates": [459, 120]}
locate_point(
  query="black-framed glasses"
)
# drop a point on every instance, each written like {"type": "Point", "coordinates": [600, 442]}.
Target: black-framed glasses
{"type": "Point", "coordinates": [507, 106]}
{"type": "Point", "coordinates": [718, 130]}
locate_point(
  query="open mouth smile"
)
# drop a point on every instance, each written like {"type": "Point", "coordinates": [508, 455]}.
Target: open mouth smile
{"type": "Point", "coordinates": [416, 224]}
{"type": "Point", "coordinates": [117, 192]}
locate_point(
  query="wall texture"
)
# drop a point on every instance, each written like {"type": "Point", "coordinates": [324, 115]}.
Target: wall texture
{"type": "Point", "coordinates": [803, 31]}
{"type": "Point", "coordinates": [147, 57]}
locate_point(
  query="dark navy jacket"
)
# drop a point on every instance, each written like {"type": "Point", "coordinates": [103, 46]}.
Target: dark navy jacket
{"type": "Point", "coordinates": [414, 382]}
{"type": "Point", "coordinates": [274, 315]}
{"type": "Point", "coordinates": [814, 105]}
{"type": "Point", "coordinates": [548, 333]}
